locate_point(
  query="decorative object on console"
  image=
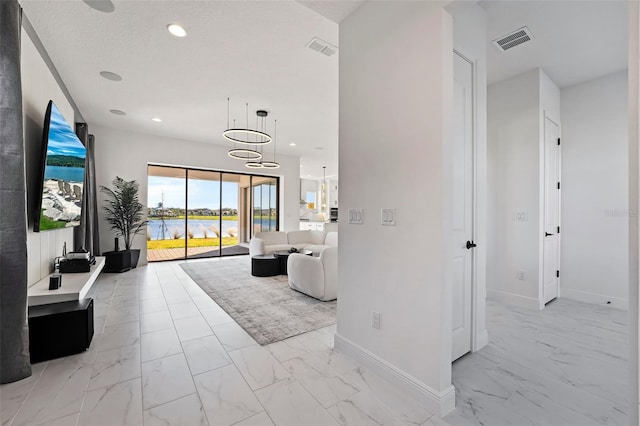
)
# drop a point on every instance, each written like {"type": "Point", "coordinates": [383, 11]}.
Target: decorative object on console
{"type": "Point", "coordinates": [75, 262]}
{"type": "Point", "coordinates": [81, 254]}
{"type": "Point", "coordinates": [124, 212]}
{"type": "Point", "coordinates": [55, 282]}
{"type": "Point", "coordinates": [74, 266]}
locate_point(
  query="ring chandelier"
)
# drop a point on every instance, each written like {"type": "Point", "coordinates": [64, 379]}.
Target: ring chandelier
{"type": "Point", "coordinates": [258, 138]}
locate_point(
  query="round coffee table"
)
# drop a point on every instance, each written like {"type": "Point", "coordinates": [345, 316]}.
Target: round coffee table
{"type": "Point", "coordinates": [265, 265]}
{"type": "Point", "coordinates": [283, 257]}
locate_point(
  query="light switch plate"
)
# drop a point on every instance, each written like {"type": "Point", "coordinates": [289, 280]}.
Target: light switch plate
{"type": "Point", "coordinates": [388, 217]}
{"type": "Point", "coordinates": [356, 216]}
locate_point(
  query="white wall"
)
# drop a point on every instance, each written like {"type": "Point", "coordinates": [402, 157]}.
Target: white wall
{"type": "Point", "coordinates": [595, 195]}
{"type": "Point", "coordinates": [127, 154]}
{"type": "Point", "coordinates": [513, 164]}
{"type": "Point", "coordinates": [38, 88]}
{"type": "Point", "coordinates": [395, 103]}
{"type": "Point", "coordinates": [516, 113]}
{"type": "Point", "coordinates": [634, 206]}
{"type": "Point", "coordinates": [469, 35]}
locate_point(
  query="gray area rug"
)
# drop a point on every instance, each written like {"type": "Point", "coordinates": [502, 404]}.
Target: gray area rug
{"type": "Point", "coordinates": [265, 307]}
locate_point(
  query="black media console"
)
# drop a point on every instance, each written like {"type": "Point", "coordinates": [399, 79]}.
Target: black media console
{"type": "Point", "coordinates": [60, 329]}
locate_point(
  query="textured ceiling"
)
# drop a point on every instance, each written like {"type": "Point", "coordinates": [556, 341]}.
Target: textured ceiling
{"type": "Point", "coordinates": [249, 51]}
{"type": "Point", "coordinates": [335, 10]}
{"type": "Point", "coordinates": [255, 52]}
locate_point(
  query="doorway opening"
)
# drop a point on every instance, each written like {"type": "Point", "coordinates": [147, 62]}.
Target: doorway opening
{"type": "Point", "coordinates": [195, 213]}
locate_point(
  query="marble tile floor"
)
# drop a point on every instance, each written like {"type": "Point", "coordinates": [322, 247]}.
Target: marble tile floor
{"type": "Point", "coordinates": [164, 353]}
{"type": "Point", "coordinates": [565, 365]}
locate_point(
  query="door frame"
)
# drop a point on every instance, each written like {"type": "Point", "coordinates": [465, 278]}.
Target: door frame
{"type": "Point", "coordinates": [221, 173]}
{"type": "Point", "coordinates": [479, 335]}
{"type": "Point", "coordinates": [546, 116]}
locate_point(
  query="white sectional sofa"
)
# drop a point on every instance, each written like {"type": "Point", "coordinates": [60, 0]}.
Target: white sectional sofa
{"type": "Point", "coordinates": [268, 242]}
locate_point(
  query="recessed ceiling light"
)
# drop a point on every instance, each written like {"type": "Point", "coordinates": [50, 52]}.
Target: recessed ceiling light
{"type": "Point", "coordinates": [292, 144]}
{"type": "Point", "coordinates": [105, 6]}
{"type": "Point", "coordinates": [177, 30]}
{"type": "Point", "coordinates": [156, 119]}
{"type": "Point", "coordinates": [110, 75]}
{"type": "Point", "coordinates": [117, 112]}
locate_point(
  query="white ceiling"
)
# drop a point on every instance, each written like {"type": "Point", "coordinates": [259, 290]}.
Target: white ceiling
{"type": "Point", "coordinates": [254, 51]}
{"type": "Point", "coordinates": [575, 41]}
{"type": "Point", "coordinates": [335, 10]}
{"type": "Point", "coordinates": [249, 51]}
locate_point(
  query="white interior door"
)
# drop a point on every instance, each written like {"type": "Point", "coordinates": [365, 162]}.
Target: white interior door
{"type": "Point", "coordinates": [551, 245]}
{"type": "Point", "coordinates": [462, 206]}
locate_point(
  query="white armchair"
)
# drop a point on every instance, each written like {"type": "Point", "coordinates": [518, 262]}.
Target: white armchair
{"type": "Point", "coordinates": [315, 276]}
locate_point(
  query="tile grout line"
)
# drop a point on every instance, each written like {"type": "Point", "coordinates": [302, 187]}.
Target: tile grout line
{"type": "Point", "coordinates": [188, 367]}
{"type": "Point", "coordinates": [226, 352]}
{"type": "Point", "coordinates": [28, 395]}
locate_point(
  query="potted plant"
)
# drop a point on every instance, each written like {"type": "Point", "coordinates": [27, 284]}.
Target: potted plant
{"type": "Point", "coordinates": [124, 212]}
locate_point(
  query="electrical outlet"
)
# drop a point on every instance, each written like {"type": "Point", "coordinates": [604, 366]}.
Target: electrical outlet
{"type": "Point", "coordinates": [375, 320]}
{"type": "Point", "coordinates": [520, 275]}
{"type": "Point", "coordinates": [521, 217]}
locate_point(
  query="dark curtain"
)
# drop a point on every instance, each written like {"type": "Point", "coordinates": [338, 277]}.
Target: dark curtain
{"type": "Point", "coordinates": [14, 332]}
{"type": "Point", "coordinates": [86, 235]}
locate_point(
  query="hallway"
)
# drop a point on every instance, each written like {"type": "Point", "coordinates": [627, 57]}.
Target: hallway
{"type": "Point", "coordinates": [565, 365]}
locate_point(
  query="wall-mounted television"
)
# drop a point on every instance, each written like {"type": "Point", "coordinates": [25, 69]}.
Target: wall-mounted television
{"type": "Point", "coordinates": [61, 175]}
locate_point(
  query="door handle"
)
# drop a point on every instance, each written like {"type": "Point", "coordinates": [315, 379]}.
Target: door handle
{"type": "Point", "coordinates": [546, 234]}
{"type": "Point", "coordinates": [471, 244]}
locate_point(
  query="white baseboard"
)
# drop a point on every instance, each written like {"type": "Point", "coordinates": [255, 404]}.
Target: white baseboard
{"type": "Point", "coordinates": [513, 299]}
{"type": "Point", "coordinates": [440, 403]}
{"type": "Point", "coordinates": [595, 298]}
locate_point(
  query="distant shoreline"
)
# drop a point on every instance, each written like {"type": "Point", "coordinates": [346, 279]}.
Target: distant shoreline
{"type": "Point", "coordinates": [68, 174]}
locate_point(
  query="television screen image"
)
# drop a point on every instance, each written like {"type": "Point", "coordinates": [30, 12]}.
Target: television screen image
{"type": "Point", "coordinates": [63, 174]}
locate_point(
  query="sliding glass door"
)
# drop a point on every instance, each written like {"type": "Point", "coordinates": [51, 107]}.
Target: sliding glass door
{"type": "Point", "coordinates": [166, 207]}
{"type": "Point", "coordinates": [265, 204]}
{"type": "Point", "coordinates": [203, 213]}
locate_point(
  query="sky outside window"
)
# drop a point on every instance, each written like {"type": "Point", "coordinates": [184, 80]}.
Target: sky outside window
{"type": "Point", "coordinates": [203, 194]}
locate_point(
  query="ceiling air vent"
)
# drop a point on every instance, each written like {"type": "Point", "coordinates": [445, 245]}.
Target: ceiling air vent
{"type": "Point", "coordinates": [322, 46]}
{"type": "Point", "coordinates": [511, 40]}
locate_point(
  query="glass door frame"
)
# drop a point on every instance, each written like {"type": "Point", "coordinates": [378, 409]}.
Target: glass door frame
{"type": "Point", "coordinates": [249, 208]}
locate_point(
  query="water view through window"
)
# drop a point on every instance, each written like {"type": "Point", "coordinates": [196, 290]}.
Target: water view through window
{"type": "Point", "coordinates": [202, 213]}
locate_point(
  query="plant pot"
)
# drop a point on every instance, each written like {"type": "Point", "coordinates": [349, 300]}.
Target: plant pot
{"type": "Point", "coordinates": [135, 256]}
{"type": "Point", "coordinates": [118, 261]}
